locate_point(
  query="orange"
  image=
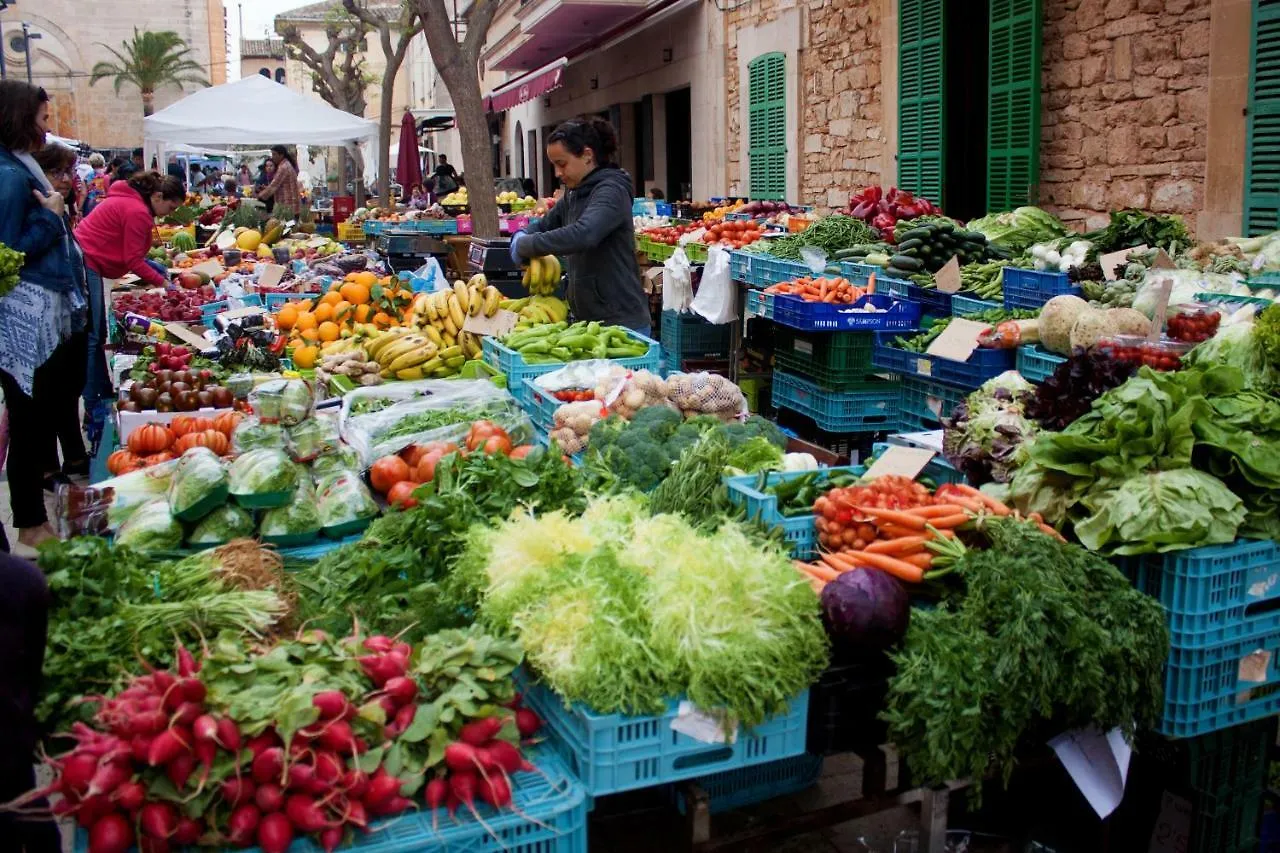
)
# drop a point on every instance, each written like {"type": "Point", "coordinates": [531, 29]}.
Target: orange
{"type": "Point", "coordinates": [328, 331]}
{"type": "Point", "coordinates": [333, 297]}
{"type": "Point", "coordinates": [366, 278]}
{"type": "Point", "coordinates": [342, 311]}
{"type": "Point", "coordinates": [306, 320]}
{"type": "Point", "coordinates": [304, 305]}
{"type": "Point", "coordinates": [288, 316]}
{"type": "Point", "coordinates": [355, 292]}
{"type": "Point", "coordinates": [334, 285]}
{"type": "Point", "coordinates": [363, 312]}
{"type": "Point", "coordinates": [381, 320]}
{"type": "Point", "coordinates": [310, 336]}
{"type": "Point", "coordinates": [305, 357]}
{"type": "Point", "coordinates": [324, 311]}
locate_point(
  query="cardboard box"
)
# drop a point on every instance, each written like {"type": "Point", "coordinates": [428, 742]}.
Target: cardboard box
{"type": "Point", "coordinates": [127, 422]}
{"type": "Point", "coordinates": [653, 280]}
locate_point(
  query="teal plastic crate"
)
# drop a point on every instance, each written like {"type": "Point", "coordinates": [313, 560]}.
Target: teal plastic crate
{"type": "Point", "coordinates": [1214, 688]}
{"type": "Point", "coordinates": [736, 789]}
{"type": "Point", "coordinates": [691, 336]}
{"type": "Point", "coordinates": [963, 306]}
{"type": "Point", "coordinates": [210, 310]}
{"type": "Point", "coordinates": [1036, 364]}
{"type": "Point", "coordinates": [511, 363]}
{"type": "Point", "coordinates": [797, 530]}
{"type": "Point", "coordinates": [939, 471]}
{"type": "Point", "coordinates": [741, 264]}
{"type": "Point", "coordinates": [873, 407]}
{"type": "Point", "coordinates": [611, 753]}
{"type": "Point", "coordinates": [1213, 594]}
{"type": "Point", "coordinates": [759, 304]}
{"type": "Point", "coordinates": [926, 402]}
{"type": "Point", "coordinates": [548, 814]}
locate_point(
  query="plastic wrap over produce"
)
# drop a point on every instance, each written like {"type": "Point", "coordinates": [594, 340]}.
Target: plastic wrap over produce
{"type": "Point", "coordinates": [437, 410]}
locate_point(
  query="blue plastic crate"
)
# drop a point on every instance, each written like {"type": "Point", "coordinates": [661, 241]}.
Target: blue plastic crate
{"type": "Point", "coordinates": [1214, 688]}
{"type": "Point", "coordinates": [932, 301]}
{"type": "Point", "coordinates": [511, 363]}
{"type": "Point", "coordinates": [372, 227]}
{"type": "Point", "coordinates": [797, 530]}
{"type": "Point", "coordinates": [548, 814]}
{"type": "Point", "coordinates": [275, 301]}
{"type": "Point", "coordinates": [439, 227]}
{"type": "Point", "coordinates": [610, 753]}
{"type": "Point", "coordinates": [963, 306]}
{"type": "Point", "coordinates": [982, 365]}
{"type": "Point", "coordinates": [1033, 288]}
{"type": "Point", "coordinates": [1213, 594]}
{"type": "Point", "coordinates": [540, 405]}
{"type": "Point", "coordinates": [691, 336]}
{"type": "Point", "coordinates": [209, 310]}
{"type": "Point", "coordinates": [939, 470]}
{"type": "Point", "coordinates": [872, 408]}
{"type": "Point", "coordinates": [1037, 364]}
{"type": "Point", "coordinates": [740, 265]}
{"type": "Point", "coordinates": [925, 402]}
{"type": "Point", "coordinates": [736, 789]}
{"type": "Point", "coordinates": [766, 271]}
{"type": "Point", "coordinates": [759, 304]}
{"type": "Point", "coordinates": [893, 314]}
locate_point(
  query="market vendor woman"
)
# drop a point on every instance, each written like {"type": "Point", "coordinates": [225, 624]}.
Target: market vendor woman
{"type": "Point", "coordinates": [591, 227]}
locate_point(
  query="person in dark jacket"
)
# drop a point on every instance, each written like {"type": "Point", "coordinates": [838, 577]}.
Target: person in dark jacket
{"type": "Point", "coordinates": [24, 621]}
{"type": "Point", "coordinates": [591, 227]}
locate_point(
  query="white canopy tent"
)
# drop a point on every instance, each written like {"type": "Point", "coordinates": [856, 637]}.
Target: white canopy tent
{"type": "Point", "coordinates": [251, 111]}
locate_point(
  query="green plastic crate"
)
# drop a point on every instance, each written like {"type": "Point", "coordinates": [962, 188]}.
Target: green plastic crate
{"type": "Point", "coordinates": [837, 361]}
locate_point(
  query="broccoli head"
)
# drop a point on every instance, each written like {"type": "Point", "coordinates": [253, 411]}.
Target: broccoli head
{"type": "Point", "coordinates": [659, 422]}
{"type": "Point", "coordinates": [740, 433]}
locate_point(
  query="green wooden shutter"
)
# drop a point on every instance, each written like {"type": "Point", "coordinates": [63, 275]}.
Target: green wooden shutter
{"type": "Point", "coordinates": [767, 126]}
{"type": "Point", "coordinates": [1013, 104]}
{"type": "Point", "coordinates": [1262, 146]}
{"type": "Point", "coordinates": [920, 107]}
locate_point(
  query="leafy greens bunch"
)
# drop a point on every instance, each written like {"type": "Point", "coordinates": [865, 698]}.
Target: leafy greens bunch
{"type": "Point", "coordinates": [1046, 637]}
{"type": "Point", "coordinates": [620, 610]}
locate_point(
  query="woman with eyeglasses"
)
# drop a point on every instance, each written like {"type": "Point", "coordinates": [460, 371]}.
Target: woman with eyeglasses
{"type": "Point", "coordinates": [591, 227]}
{"type": "Point", "coordinates": [41, 316]}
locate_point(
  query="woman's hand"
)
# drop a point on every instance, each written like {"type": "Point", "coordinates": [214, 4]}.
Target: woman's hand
{"type": "Point", "coordinates": [52, 202]}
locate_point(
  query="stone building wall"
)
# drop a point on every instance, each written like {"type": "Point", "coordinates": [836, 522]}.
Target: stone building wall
{"type": "Point", "coordinates": [1124, 107]}
{"type": "Point", "coordinates": [1124, 102]}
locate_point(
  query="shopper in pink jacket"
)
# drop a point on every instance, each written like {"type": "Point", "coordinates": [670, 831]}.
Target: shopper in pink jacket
{"type": "Point", "coordinates": [115, 238]}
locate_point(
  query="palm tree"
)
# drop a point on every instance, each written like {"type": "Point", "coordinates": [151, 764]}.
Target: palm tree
{"type": "Point", "coordinates": [150, 61]}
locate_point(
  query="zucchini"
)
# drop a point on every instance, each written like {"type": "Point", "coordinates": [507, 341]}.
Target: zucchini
{"type": "Point", "coordinates": [906, 262]}
{"type": "Point", "coordinates": [908, 245]}
{"type": "Point", "coordinates": [894, 272]}
{"type": "Point", "coordinates": [878, 259]}
{"type": "Point", "coordinates": [945, 227]}
{"type": "Point", "coordinates": [846, 254]}
{"type": "Point", "coordinates": [973, 237]}
{"type": "Point", "coordinates": [922, 233]}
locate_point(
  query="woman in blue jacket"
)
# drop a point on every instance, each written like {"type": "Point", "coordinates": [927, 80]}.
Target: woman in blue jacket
{"type": "Point", "coordinates": [41, 316]}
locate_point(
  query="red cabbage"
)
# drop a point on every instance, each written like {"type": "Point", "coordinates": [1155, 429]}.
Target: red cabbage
{"type": "Point", "coordinates": [865, 608]}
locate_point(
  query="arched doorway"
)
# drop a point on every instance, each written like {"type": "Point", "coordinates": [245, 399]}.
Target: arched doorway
{"type": "Point", "coordinates": [520, 173]}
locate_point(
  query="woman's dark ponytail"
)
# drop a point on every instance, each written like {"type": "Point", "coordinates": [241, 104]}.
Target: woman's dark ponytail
{"type": "Point", "coordinates": [591, 132]}
{"type": "Point", "coordinates": [169, 187]}
{"type": "Point", "coordinates": [284, 152]}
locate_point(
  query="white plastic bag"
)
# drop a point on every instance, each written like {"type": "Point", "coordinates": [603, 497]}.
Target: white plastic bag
{"type": "Point", "coordinates": [677, 282]}
{"type": "Point", "coordinates": [717, 298]}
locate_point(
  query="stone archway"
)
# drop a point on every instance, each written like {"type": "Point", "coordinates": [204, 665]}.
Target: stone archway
{"type": "Point", "coordinates": [55, 61]}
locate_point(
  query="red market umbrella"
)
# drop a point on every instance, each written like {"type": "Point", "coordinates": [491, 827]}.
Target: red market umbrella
{"type": "Point", "coordinates": [408, 162]}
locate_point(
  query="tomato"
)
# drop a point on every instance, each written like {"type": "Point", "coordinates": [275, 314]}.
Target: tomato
{"type": "Point", "coordinates": [412, 454]}
{"type": "Point", "coordinates": [481, 432]}
{"type": "Point", "coordinates": [496, 444]}
{"type": "Point", "coordinates": [388, 471]}
{"type": "Point", "coordinates": [425, 471]}
{"type": "Point", "coordinates": [522, 451]}
{"type": "Point", "coordinates": [401, 494]}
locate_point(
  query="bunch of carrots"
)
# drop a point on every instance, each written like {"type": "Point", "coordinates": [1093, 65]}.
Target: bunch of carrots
{"type": "Point", "coordinates": [914, 541]}
{"type": "Point", "coordinates": [832, 290]}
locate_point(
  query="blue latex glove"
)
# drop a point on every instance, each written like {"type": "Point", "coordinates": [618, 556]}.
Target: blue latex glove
{"type": "Point", "coordinates": [515, 241]}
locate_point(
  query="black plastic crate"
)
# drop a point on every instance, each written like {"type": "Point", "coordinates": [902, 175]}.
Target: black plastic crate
{"type": "Point", "coordinates": [844, 704]}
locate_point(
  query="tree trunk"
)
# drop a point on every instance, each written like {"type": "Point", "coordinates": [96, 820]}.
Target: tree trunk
{"type": "Point", "coordinates": [384, 134]}
{"type": "Point", "coordinates": [477, 153]}
{"type": "Point", "coordinates": [148, 102]}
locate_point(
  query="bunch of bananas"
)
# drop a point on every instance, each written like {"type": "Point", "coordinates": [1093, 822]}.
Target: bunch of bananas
{"type": "Point", "coordinates": [404, 353]}
{"type": "Point", "coordinates": [537, 309]}
{"type": "Point", "coordinates": [542, 275]}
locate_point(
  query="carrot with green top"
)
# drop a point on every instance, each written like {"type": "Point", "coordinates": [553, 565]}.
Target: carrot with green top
{"type": "Point", "coordinates": [900, 569]}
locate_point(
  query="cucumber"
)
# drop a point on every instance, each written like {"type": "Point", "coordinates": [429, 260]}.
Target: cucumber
{"type": "Point", "coordinates": [846, 254]}
{"type": "Point", "coordinates": [878, 259]}
{"type": "Point", "coordinates": [922, 233]}
{"type": "Point", "coordinates": [906, 262]}
{"type": "Point", "coordinates": [894, 272]}
{"type": "Point", "coordinates": [944, 226]}
{"type": "Point", "coordinates": [973, 237]}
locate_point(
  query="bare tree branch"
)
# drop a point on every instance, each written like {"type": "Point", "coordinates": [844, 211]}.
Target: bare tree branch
{"type": "Point", "coordinates": [406, 27]}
